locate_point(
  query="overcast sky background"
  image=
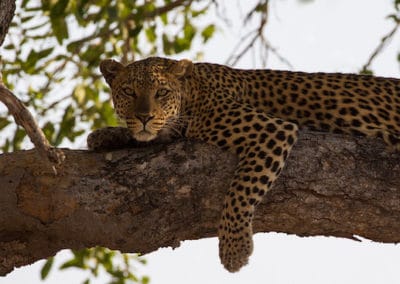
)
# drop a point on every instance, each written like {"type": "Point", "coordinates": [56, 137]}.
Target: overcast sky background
{"type": "Point", "coordinates": [324, 35]}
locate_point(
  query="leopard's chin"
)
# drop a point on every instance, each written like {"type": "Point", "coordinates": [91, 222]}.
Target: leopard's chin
{"type": "Point", "coordinates": [144, 136]}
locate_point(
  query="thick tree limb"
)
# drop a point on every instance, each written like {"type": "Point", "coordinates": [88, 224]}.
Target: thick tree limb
{"type": "Point", "coordinates": [137, 200]}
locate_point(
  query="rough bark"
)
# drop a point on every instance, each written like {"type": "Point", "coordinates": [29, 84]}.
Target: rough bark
{"type": "Point", "coordinates": [7, 9]}
{"type": "Point", "coordinates": [138, 200]}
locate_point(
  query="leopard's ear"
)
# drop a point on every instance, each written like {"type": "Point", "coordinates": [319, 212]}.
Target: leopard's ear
{"type": "Point", "coordinates": [110, 68]}
{"type": "Point", "coordinates": [181, 68]}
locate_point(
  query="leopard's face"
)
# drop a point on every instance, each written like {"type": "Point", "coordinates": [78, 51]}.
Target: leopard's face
{"type": "Point", "coordinates": [147, 94]}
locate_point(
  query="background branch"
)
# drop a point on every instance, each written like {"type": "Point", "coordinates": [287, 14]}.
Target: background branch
{"type": "Point", "coordinates": [20, 113]}
{"type": "Point", "coordinates": [384, 41]}
{"type": "Point", "coordinates": [24, 118]}
{"type": "Point", "coordinates": [139, 200]}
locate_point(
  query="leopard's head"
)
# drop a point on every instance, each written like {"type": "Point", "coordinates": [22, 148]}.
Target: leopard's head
{"type": "Point", "coordinates": [147, 94]}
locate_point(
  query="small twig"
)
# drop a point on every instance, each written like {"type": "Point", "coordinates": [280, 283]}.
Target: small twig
{"type": "Point", "coordinates": [257, 35]}
{"type": "Point", "coordinates": [53, 105]}
{"type": "Point", "coordinates": [275, 51]}
{"type": "Point", "coordinates": [24, 118]}
{"type": "Point", "coordinates": [126, 47]}
{"type": "Point", "coordinates": [103, 33]}
{"type": "Point", "coordinates": [220, 11]}
{"type": "Point", "coordinates": [164, 9]}
{"type": "Point", "coordinates": [234, 58]}
{"type": "Point", "coordinates": [380, 47]}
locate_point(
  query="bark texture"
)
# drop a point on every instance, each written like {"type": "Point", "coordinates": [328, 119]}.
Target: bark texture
{"type": "Point", "coordinates": [138, 200]}
{"type": "Point", "coordinates": [7, 9]}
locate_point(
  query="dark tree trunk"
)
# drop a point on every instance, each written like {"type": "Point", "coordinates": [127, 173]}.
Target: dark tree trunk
{"type": "Point", "coordinates": [7, 9]}
{"type": "Point", "coordinates": [138, 200]}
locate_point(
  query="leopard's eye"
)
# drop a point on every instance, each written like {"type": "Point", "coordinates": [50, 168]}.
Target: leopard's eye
{"type": "Point", "coordinates": [129, 92]}
{"type": "Point", "coordinates": [161, 93]}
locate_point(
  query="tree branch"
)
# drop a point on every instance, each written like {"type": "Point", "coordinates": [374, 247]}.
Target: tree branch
{"type": "Point", "coordinates": [165, 9]}
{"type": "Point", "coordinates": [138, 200]}
{"type": "Point", "coordinates": [20, 113]}
{"type": "Point", "coordinates": [384, 41]}
{"type": "Point", "coordinates": [24, 118]}
{"type": "Point", "coordinates": [7, 9]}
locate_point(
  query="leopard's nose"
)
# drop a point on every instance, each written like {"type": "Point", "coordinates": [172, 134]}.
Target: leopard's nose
{"type": "Point", "coordinates": [144, 118]}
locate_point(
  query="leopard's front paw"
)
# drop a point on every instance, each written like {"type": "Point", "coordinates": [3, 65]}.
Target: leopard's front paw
{"type": "Point", "coordinates": [109, 138]}
{"type": "Point", "coordinates": [235, 245]}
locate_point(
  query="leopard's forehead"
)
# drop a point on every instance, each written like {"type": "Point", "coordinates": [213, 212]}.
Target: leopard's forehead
{"type": "Point", "coordinates": [149, 71]}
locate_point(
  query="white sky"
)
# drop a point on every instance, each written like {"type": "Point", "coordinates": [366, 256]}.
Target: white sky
{"type": "Point", "coordinates": [326, 35]}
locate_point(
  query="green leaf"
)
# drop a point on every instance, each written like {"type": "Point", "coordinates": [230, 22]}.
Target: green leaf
{"type": "Point", "coordinates": [112, 13]}
{"type": "Point", "coordinates": [18, 137]}
{"type": "Point", "coordinates": [208, 32]}
{"type": "Point", "coordinates": [74, 46]}
{"type": "Point", "coordinates": [75, 262]}
{"type": "Point", "coordinates": [60, 29]}
{"type": "Point", "coordinates": [181, 44]}
{"type": "Point", "coordinates": [48, 130]}
{"type": "Point", "coordinates": [29, 65]}
{"type": "Point", "coordinates": [136, 31]}
{"type": "Point", "coordinates": [67, 125]}
{"type": "Point", "coordinates": [189, 31]}
{"type": "Point", "coordinates": [124, 10]}
{"type": "Point", "coordinates": [397, 4]}
{"type": "Point", "coordinates": [196, 13]}
{"type": "Point", "coordinates": [46, 268]}
{"type": "Point", "coordinates": [25, 19]}
{"type": "Point", "coordinates": [9, 46]}
{"type": "Point", "coordinates": [59, 8]}
{"type": "Point", "coordinates": [23, 4]}
{"type": "Point", "coordinates": [45, 52]}
{"type": "Point", "coordinates": [6, 146]}
{"type": "Point", "coordinates": [164, 18]}
{"type": "Point", "coordinates": [46, 5]}
{"type": "Point", "coordinates": [3, 122]}
{"type": "Point", "coordinates": [79, 94]}
{"type": "Point", "coordinates": [151, 34]}
{"type": "Point", "coordinates": [92, 54]}
{"type": "Point", "coordinates": [167, 45]}
{"type": "Point", "coordinates": [145, 280]}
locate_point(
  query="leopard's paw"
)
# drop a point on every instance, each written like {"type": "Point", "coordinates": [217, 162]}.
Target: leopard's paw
{"type": "Point", "coordinates": [109, 138]}
{"type": "Point", "coordinates": [235, 246]}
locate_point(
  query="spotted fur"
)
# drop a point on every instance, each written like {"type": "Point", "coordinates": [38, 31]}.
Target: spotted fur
{"type": "Point", "coordinates": [253, 113]}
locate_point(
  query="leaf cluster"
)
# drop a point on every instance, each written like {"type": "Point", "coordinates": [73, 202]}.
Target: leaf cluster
{"type": "Point", "coordinates": [54, 47]}
{"type": "Point", "coordinates": [118, 266]}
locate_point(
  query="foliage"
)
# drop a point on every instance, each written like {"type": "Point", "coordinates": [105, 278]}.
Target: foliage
{"type": "Point", "coordinates": [50, 60]}
{"type": "Point", "coordinates": [57, 46]}
{"type": "Point", "coordinates": [118, 266]}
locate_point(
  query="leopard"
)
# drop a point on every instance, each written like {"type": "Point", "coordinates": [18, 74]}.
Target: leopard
{"type": "Point", "coordinates": [254, 113]}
